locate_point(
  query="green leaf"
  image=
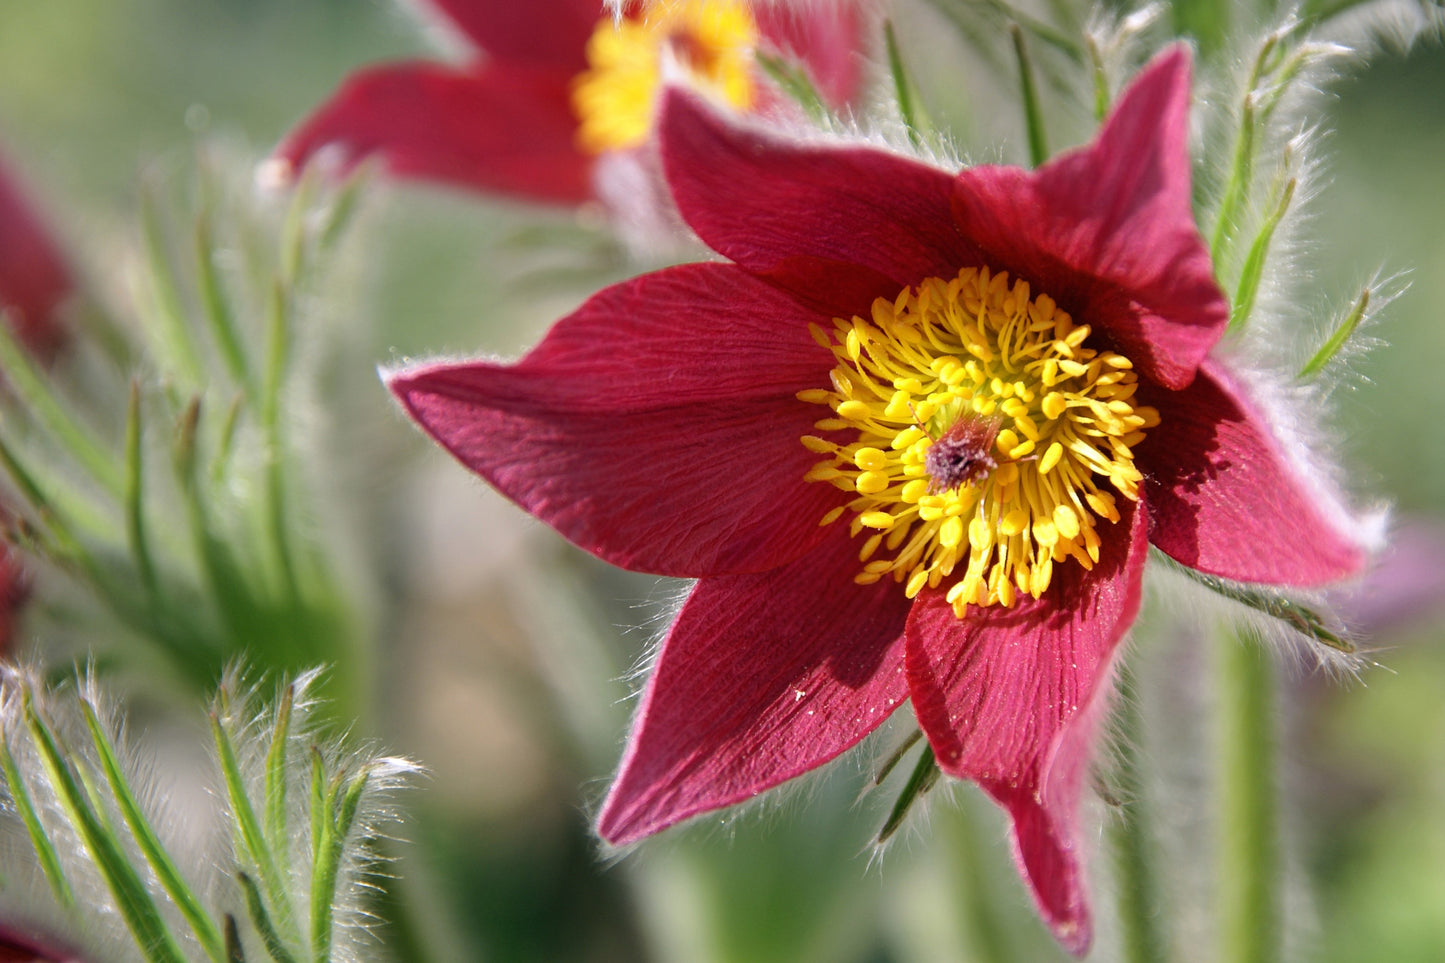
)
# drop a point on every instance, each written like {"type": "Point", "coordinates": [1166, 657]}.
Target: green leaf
{"type": "Point", "coordinates": [276, 770]}
{"type": "Point", "coordinates": [132, 899]}
{"type": "Point", "coordinates": [135, 526]}
{"type": "Point", "coordinates": [170, 878]}
{"type": "Point", "coordinates": [1253, 271]}
{"type": "Point", "coordinates": [218, 309]}
{"type": "Point", "coordinates": [793, 81]}
{"type": "Point", "coordinates": [328, 861]}
{"type": "Point", "coordinates": [925, 774]}
{"type": "Point", "coordinates": [1343, 333]}
{"type": "Point", "coordinates": [896, 756]}
{"type": "Point", "coordinates": [234, 952]}
{"type": "Point", "coordinates": [35, 393]}
{"type": "Point", "coordinates": [1033, 113]}
{"type": "Point", "coordinates": [278, 337]}
{"type": "Point", "coordinates": [248, 829]}
{"type": "Point", "coordinates": [260, 919]}
{"type": "Point", "coordinates": [1300, 618]}
{"type": "Point", "coordinates": [1236, 188]}
{"type": "Point", "coordinates": [172, 330]}
{"type": "Point", "coordinates": [1101, 80]}
{"type": "Point", "coordinates": [44, 849]}
{"type": "Point", "coordinates": [915, 118]}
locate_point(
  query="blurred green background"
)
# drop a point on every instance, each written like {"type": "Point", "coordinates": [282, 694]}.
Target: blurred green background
{"type": "Point", "coordinates": [505, 653]}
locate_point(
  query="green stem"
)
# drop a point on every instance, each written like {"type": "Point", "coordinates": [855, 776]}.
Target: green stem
{"type": "Point", "coordinates": [1247, 898]}
{"type": "Point", "coordinates": [976, 883]}
{"type": "Point", "coordinates": [1033, 114]}
{"type": "Point", "coordinates": [1139, 897]}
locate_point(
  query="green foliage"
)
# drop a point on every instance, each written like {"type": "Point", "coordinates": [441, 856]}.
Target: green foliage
{"type": "Point", "coordinates": [84, 801]}
{"type": "Point", "coordinates": [241, 569]}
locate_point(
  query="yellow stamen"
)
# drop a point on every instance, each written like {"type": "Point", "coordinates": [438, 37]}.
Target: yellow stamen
{"type": "Point", "coordinates": [985, 427]}
{"type": "Point", "coordinates": [712, 40]}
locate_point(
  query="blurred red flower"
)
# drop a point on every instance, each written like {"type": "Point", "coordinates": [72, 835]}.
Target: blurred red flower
{"type": "Point", "coordinates": [552, 85]}
{"type": "Point", "coordinates": [34, 277]}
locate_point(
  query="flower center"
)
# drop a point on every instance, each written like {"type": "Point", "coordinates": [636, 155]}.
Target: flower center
{"type": "Point", "coordinates": [712, 40]}
{"type": "Point", "coordinates": [988, 441]}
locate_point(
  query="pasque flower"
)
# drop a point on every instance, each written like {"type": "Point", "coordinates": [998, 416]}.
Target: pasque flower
{"type": "Point", "coordinates": [552, 86]}
{"type": "Point", "coordinates": [34, 277]}
{"type": "Point", "coordinates": [994, 389]}
{"type": "Point", "coordinates": [35, 281]}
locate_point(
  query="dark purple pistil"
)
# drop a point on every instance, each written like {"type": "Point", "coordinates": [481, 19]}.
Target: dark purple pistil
{"type": "Point", "coordinates": [963, 455]}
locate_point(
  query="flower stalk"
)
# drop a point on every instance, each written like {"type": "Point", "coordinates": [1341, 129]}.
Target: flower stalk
{"type": "Point", "coordinates": [1140, 916]}
{"type": "Point", "coordinates": [1247, 887]}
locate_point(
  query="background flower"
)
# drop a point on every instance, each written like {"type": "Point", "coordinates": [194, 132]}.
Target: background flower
{"type": "Point", "coordinates": [507, 119]}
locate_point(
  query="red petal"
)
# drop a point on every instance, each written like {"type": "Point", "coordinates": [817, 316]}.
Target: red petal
{"type": "Point", "coordinates": [34, 278]}
{"type": "Point", "coordinates": [14, 593]}
{"type": "Point", "coordinates": [1009, 699]}
{"type": "Point", "coordinates": [656, 427]}
{"type": "Point", "coordinates": [827, 38]}
{"type": "Point", "coordinates": [762, 678]}
{"type": "Point", "coordinates": [839, 225]}
{"type": "Point", "coordinates": [539, 32]}
{"type": "Point", "coordinates": [501, 127]}
{"type": "Point", "coordinates": [1224, 497]}
{"type": "Point", "coordinates": [1109, 232]}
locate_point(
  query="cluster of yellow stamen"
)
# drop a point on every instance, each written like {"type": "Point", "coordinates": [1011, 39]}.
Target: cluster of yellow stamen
{"type": "Point", "coordinates": [986, 432]}
{"type": "Point", "coordinates": [713, 40]}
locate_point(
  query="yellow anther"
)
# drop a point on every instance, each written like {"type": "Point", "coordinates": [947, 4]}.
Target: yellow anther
{"type": "Point", "coordinates": [1013, 523]}
{"type": "Point", "coordinates": [881, 520]}
{"type": "Point", "coordinates": [915, 490]}
{"type": "Point", "coordinates": [869, 459]}
{"type": "Point", "coordinates": [906, 437]}
{"type": "Point", "coordinates": [980, 533]}
{"type": "Point", "coordinates": [1065, 520]}
{"type": "Point", "coordinates": [871, 482]}
{"type": "Point", "coordinates": [954, 389]}
{"type": "Point", "coordinates": [1052, 456]}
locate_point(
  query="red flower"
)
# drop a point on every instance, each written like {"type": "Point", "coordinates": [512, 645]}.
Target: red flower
{"type": "Point", "coordinates": [552, 85]}
{"type": "Point", "coordinates": [34, 278]}
{"type": "Point", "coordinates": [34, 282]}
{"type": "Point", "coordinates": [1023, 397]}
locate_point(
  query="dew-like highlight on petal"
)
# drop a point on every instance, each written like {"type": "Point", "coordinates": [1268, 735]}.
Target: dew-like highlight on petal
{"type": "Point", "coordinates": [991, 440]}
